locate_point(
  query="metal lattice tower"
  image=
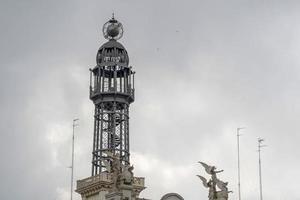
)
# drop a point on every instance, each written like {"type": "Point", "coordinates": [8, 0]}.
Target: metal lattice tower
{"type": "Point", "coordinates": [112, 91]}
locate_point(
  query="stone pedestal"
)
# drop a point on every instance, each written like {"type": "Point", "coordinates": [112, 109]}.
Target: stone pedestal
{"type": "Point", "coordinates": [99, 186]}
{"type": "Point", "coordinates": [94, 187]}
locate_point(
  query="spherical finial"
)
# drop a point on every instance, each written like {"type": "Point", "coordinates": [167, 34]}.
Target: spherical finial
{"type": "Point", "coordinates": [112, 30]}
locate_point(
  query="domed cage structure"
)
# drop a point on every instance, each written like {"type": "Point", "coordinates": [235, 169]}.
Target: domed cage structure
{"type": "Point", "coordinates": [112, 91]}
{"type": "Point", "coordinates": [112, 52]}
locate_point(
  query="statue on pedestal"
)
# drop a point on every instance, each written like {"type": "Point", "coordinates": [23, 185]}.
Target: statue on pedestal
{"type": "Point", "coordinates": [213, 183]}
{"type": "Point", "coordinates": [121, 176]}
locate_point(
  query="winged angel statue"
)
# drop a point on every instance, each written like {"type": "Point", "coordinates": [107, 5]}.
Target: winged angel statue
{"type": "Point", "coordinates": [213, 182]}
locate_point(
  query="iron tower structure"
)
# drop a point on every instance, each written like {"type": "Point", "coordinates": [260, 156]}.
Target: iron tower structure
{"type": "Point", "coordinates": [112, 91]}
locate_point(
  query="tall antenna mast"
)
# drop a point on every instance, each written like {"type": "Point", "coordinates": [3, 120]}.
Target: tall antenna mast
{"type": "Point", "coordinates": [260, 140]}
{"type": "Point", "coordinates": [72, 166]}
{"type": "Point", "coordinates": [238, 150]}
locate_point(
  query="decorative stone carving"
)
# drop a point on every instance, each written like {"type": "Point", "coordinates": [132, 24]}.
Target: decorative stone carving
{"type": "Point", "coordinates": [122, 178]}
{"type": "Point", "coordinates": [127, 175]}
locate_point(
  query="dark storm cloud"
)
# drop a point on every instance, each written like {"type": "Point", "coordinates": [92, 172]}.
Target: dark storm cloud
{"type": "Point", "coordinates": [203, 69]}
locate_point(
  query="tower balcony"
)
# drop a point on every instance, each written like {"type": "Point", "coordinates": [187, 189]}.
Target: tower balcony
{"type": "Point", "coordinates": [111, 94]}
{"type": "Point", "coordinates": [112, 83]}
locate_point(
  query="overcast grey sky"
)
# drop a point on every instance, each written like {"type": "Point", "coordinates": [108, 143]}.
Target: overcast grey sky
{"type": "Point", "coordinates": [203, 68]}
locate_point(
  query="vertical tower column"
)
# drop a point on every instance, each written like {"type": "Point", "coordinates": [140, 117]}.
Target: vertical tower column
{"type": "Point", "coordinates": [112, 93]}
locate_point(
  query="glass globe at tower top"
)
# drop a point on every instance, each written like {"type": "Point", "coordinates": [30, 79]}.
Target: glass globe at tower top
{"type": "Point", "coordinates": [113, 29]}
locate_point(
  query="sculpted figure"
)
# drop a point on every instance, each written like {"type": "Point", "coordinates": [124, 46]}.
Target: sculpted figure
{"type": "Point", "coordinates": [107, 165]}
{"type": "Point", "coordinates": [222, 185]}
{"type": "Point", "coordinates": [223, 194]}
{"type": "Point", "coordinates": [127, 175]}
{"type": "Point", "coordinates": [210, 169]}
{"type": "Point", "coordinates": [213, 182]}
{"type": "Point", "coordinates": [120, 173]}
{"type": "Point", "coordinates": [210, 185]}
{"type": "Point", "coordinates": [113, 166]}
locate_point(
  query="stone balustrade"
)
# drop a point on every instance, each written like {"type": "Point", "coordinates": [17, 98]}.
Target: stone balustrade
{"type": "Point", "coordinates": [103, 177]}
{"type": "Point", "coordinates": [107, 178]}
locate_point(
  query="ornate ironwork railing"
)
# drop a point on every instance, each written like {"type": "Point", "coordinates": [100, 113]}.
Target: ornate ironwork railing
{"type": "Point", "coordinates": [94, 92]}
